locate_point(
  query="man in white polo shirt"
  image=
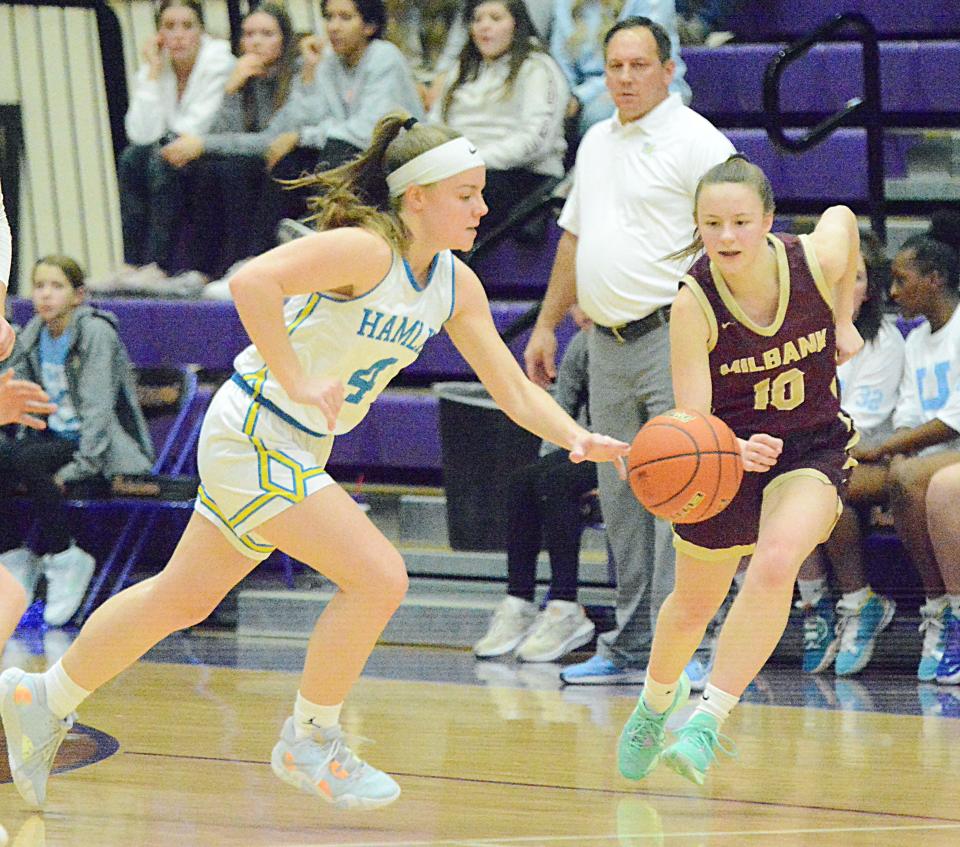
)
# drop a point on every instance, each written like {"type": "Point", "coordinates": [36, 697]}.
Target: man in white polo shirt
{"type": "Point", "coordinates": [631, 205]}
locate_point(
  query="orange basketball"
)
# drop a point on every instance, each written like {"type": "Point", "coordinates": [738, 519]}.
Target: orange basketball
{"type": "Point", "coordinates": [685, 466]}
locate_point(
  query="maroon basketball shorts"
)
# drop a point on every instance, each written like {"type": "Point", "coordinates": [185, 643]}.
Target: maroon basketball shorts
{"type": "Point", "coordinates": [819, 453]}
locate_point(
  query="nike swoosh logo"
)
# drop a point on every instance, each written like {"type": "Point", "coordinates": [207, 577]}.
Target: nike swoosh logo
{"type": "Point", "coordinates": [726, 324]}
{"type": "Point", "coordinates": [473, 150]}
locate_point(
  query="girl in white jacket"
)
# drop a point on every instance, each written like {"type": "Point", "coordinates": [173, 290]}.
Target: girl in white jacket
{"type": "Point", "coordinates": [178, 90]}
{"type": "Point", "coordinates": [508, 97]}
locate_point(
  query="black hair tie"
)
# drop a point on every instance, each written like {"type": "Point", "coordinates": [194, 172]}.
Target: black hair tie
{"type": "Point", "coordinates": [408, 124]}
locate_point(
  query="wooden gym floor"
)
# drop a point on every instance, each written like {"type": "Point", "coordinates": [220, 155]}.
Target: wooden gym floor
{"type": "Point", "coordinates": [490, 754]}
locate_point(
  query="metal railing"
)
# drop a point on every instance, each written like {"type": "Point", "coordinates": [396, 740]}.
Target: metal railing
{"type": "Point", "coordinates": [865, 111]}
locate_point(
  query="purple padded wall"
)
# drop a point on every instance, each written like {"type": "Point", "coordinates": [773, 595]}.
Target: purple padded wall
{"type": "Point", "coordinates": [773, 19]}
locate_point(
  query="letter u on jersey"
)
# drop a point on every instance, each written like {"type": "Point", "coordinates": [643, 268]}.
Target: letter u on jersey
{"type": "Point", "coordinates": [941, 370]}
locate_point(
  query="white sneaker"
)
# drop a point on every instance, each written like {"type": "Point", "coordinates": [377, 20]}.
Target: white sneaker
{"type": "Point", "coordinates": [560, 628]}
{"type": "Point", "coordinates": [512, 621]}
{"type": "Point", "coordinates": [24, 565]}
{"type": "Point", "coordinates": [324, 766]}
{"type": "Point", "coordinates": [68, 576]}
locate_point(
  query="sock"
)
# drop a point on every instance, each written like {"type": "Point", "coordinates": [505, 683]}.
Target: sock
{"type": "Point", "coordinates": [938, 603]}
{"type": "Point", "coordinates": [716, 703]}
{"type": "Point", "coordinates": [63, 694]}
{"type": "Point", "coordinates": [309, 716]}
{"type": "Point", "coordinates": [954, 600]}
{"type": "Point", "coordinates": [812, 590]}
{"type": "Point", "coordinates": [657, 696]}
{"type": "Point", "coordinates": [855, 599]}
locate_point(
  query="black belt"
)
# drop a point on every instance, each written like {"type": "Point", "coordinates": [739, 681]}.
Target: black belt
{"type": "Point", "coordinates": [633, 330]}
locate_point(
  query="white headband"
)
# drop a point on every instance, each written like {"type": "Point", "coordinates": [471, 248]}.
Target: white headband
{"type": "Point", "coordinates": [450, 158]}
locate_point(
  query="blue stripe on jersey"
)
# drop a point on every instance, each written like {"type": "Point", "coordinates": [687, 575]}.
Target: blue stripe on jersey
{"type": "Point", "coordinates": [413, 280]}
{"type": "Point", "coordinates": [273, 407]}
{"type": "Point", "coordinates": [453, 285]}
{"type": "Point", "coordinates": [308, 309]}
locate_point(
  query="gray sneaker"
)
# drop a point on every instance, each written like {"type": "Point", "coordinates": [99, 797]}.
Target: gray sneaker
{"type": "Point", "coordinates": [68, 577]}
{"type": "Point", "coordinates": [324, 766]}
{"type": "Point", "coordinates": [560, 628]}
{"type": "Point", "coordinates": [34, 733]}
{"type": "Point", "coordinates": [24, 565]}
{"type": "Point", "coordinates": [511, 623]}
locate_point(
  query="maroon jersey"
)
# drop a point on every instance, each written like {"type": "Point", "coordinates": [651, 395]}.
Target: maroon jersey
{"type": "Point", "coordinates": [781, 378]}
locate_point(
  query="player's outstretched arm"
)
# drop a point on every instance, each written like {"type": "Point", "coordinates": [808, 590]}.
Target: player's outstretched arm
{"type": "Point", "coordinates": [22, 401]}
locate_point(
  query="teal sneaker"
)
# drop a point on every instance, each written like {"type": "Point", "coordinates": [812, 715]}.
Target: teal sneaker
{"type": "Point", "coordinates": [641, 741]}
{"type": "Point", "coordinates": [820, 643]}
{"type": "Point", "coordinates": [324, 766]}
{"type": "Point", "coordinates": [934, 623]}
{"type": "Point", "coordinates": [695, 748]}
{"type": "Point", "coordinates": [34, 733]}
{"type": "Point", "coordinates": [858, 628]}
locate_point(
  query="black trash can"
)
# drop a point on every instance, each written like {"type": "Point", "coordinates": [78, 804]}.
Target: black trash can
{"type": "Point", "coordinates": [480, 447]}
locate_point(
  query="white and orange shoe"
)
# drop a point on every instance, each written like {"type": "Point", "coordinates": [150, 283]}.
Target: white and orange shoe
{"type": "Point", "coordinates": [323, 765]}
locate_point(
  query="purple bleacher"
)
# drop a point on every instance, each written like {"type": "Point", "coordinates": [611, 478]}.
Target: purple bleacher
{"type": "Point", "coordinates": [774, 19]}
{"type": "Point", "coordinates": [833, 171]}
{"type": "Point", "coordinates": [918, 78]}
{"type": "Point", "coordinates": [513, 269]}
{"type": "Point", "coordinates": [209, 334]}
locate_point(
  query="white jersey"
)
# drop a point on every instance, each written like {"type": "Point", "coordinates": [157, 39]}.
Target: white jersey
{"type": "Point", "coordinates": [362, 341]}
{"type": "Point", "coordinates": [869, 383]}
{"type": "Point", "coordinates": [930, 388]}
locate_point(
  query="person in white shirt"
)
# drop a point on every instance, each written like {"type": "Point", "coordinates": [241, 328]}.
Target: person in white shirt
{"type": "Point", "coordinates": [178, 90]}
{"type": "Point", "coordinates": [845, 636]}
{"type": "Point", "coordinates": [508, 97]}
{"type": "Point", "coordinates": [926, 423]}
{"type": "Point", "coordinates": [631, 206]}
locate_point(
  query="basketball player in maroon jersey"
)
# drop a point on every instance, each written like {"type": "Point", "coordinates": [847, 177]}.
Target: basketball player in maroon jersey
{"type": "Point", "coordinates": [756, 333]}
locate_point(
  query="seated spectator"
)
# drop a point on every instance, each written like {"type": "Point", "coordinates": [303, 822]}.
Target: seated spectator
{"type": "Point", "coordinates": [577, 45]}
{"type": "Point", "coordinates": [508, 97]}
{"type": "Point", "coordinates": [545, 512]}
{"type": "Point", "coordinates": [926, 422]}
{"type": "Point", "coordinates": [332, 110]}
{"type": "Point", "coordinates": [430, 35]}
{"type": "Point", "coordinates": [869, 383]}
{"type": "Point", "coordinates": [177, 91]}
{"type": "Point", "coordinates": [97, 430]}
{"type": "Point", "coordinates": [229, 169]}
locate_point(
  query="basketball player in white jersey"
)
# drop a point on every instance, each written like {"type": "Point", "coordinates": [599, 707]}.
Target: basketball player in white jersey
{"type": "Point", "coordinates": [363, 295]}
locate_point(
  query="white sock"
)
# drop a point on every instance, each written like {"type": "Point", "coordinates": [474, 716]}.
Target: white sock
{"type": "Point", "coordinates": [63, 694]}
{"type": "Point", "coordinates": [855, 599]}
{"type": "Point", "coordinates": [812, 590]}
{"type": "Point", "coordinates": [309, 716]}
{"type": "Point", "coordinates": [716, 703]}
{"type": "Point", "coordinates": [938, 603]}
{"type": "Point", "coordinates": [954, 600]}
{"type": "Point", "coordinates": [657, 696]}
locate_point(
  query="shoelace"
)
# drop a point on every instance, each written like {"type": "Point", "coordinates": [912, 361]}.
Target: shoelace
{"type": "Point", "coordinates": [649, 729]}
{"type": "Point", "coordinates": [708, 740]}
{"type": "Point", "coordinates": [813, 629]}
{"type": "Point", "coordinates": [339, 750]}
{"type": "Point", "coordinates": [46, 754]}
{"type": "Point", "coordinates": [931, 626]}
{"type": "Point", "coordinates": [847, 628]}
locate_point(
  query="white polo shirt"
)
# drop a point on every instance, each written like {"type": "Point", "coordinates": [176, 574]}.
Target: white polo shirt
{"type": "Point", "coordinates": [632, 204]}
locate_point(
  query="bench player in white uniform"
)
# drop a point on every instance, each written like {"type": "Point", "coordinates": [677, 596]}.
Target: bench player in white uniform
{"type": "Point", "coordinates": [365, 293]}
